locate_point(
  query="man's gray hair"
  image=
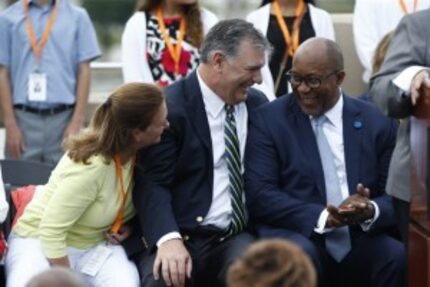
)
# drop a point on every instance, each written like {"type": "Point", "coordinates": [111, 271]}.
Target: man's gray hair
{"type": "Point", "coordinates": [226, 37]}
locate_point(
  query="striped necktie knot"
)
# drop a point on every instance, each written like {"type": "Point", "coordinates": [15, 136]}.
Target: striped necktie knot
{"type": "Point", "coordinates": [229, 110]}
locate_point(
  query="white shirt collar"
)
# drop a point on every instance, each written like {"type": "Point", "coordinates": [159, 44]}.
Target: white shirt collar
{"type": "Point", "coordinates": [214, 104]}
{"type": "Point", "coordinates": [334, 115]}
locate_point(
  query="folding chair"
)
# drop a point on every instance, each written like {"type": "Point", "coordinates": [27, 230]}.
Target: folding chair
{"type": "Point", "coordinates": [17, 173]}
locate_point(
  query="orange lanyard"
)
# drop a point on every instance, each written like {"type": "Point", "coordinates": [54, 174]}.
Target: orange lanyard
{"type": "Point", "coordinates": [120, 216]}
{"type": "Point", "coordinates": [37, 48]}
{"type": "Point", "coordinates": [291, 44]}
{"type": "Point", "coordinates": [405, 9]}
{"type": "Point", "coordinates": [175, 52]}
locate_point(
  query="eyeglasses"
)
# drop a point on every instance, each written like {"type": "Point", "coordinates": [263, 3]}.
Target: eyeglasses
{"type": "Point", "coordinates": [312, 82]}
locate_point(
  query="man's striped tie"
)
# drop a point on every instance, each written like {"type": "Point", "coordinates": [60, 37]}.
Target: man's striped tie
{"type": "Point", "coordinates": [234, 164]}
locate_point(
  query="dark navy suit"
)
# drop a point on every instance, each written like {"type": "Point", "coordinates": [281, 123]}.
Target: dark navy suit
{"type": "Point", "coordinates": [174, 181]}
{"type": "Point", "coordinates": [286, 191]}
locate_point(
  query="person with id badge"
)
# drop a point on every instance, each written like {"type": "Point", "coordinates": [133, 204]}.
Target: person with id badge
{"type": "Point", "coordinates": [83, 213]}
{"type": "Point", "coordinates": [45, 52]}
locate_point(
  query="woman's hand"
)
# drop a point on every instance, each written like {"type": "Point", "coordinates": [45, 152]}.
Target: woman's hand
{"type": "Point", "coordinates": [122, 234]}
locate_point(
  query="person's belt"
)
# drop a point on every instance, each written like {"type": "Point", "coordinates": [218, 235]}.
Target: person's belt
{"type": "Point", "coordinates": [43, 111]}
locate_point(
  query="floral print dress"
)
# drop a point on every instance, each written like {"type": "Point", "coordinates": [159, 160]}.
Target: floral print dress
{"type": "Point", "coordinates": [160, 61]}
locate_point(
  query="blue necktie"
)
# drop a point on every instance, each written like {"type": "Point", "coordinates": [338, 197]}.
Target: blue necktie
{"type": "Point", "coordinates": [234, 165]}
{"type": "Point", "coordinates": [337, 242]}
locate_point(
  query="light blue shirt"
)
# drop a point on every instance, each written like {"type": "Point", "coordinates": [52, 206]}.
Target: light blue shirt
{"type": "Point", "coordinates": [72, 40]}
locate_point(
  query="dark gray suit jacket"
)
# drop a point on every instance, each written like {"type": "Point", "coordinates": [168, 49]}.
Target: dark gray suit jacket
{"type": "Point", "coordinates": [410, 46]}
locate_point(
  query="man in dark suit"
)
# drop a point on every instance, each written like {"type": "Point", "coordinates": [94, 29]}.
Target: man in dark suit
{"type": "Point", "coordinates": [316, 165]}
{"type": "Point", "coordinates": [189, 188]}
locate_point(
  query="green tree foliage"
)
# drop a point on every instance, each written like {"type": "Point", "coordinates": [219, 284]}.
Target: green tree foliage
{"type": "Point", "coordinates": [109, 18]}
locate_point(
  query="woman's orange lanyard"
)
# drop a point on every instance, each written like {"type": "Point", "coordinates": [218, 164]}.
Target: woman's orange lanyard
{"type": "Point", "coordinates": [405, 9]}
{"type": "Point", "coordinates": [174, 51]}
{"type": "Point", "coordinates": [38, 47]}
{"type": "Point", "coordinates": [293, 43]}
{"type": "Point", "coordinates": [124, 195]}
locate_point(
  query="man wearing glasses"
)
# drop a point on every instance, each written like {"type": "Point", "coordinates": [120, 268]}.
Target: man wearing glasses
{"type": "Point", "coordinates": [316, 168]}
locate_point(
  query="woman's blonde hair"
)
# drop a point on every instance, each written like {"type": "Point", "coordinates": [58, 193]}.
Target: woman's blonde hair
{"type": "Point", "coordinates": [380, 51]}
{"type": "Point", "coordinates": [194, 33]}
{"type": "Point", "coordinates": [132, 106]}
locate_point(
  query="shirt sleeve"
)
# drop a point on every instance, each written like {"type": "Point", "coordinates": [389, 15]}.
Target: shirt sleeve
{"type": "Point", "coordinates": [365, 32]}
{"type": "Point", "coordinates": [76, 191]}
{"type": "Point", "coordinates": [168, 236]}
{"type": "Point", "coordinates": [87, 45]}
{"type": "Point", "coordinates": [365, 226]}
{"type": "Point", "coordinates": [133, 54]}
{"type": "Point", "coordinates": [404, 80]}
{"type": "Point", "coordinates": [320, 228]}
{"type": "Point", "coordinates": [5, 42]}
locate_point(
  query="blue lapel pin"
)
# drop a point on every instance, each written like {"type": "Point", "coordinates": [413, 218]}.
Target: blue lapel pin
{"type": "Point", "coordinates": [357, 124]}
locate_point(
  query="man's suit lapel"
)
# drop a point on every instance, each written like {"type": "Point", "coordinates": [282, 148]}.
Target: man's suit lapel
{"type": "Point", "coordinates": [307, 142]}
{"type": "Point", "coordinates": [353, 127]}
{"type": "Point", "coordinates": [196, 111]}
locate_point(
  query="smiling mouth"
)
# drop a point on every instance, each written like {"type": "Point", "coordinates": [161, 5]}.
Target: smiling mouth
{"type": "Point", "coordinates": [309, 99]}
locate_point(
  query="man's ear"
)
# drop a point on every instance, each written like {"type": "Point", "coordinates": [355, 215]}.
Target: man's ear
{"type": "Point", "coordinates": [217, 59]}
{"type": "Point", "coordinates": [340, 77]}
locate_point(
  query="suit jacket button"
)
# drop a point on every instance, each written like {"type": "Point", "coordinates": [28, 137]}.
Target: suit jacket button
{"type": "Point", "coordinates": [186, 237]}
{"type": "Point", "coordinates": [199, 219]}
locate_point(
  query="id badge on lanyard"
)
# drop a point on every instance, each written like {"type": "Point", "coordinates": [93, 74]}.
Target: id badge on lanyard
{"type": "Point", "coordinates": [37, 81]}
{"type": "Point", "coordinates": [95, 259]}
{"type": "Point", "coordinates": [37, 87]}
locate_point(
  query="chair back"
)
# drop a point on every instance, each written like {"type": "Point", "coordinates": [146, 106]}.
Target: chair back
{"type": "Point", "coordinates": [17, 173]}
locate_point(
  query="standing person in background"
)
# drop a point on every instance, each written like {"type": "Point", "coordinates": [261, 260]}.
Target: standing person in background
{"type": "Point", "coordinates": [397, 89]}
{"type": "Point", "coordinates": [86, 203]}
{"type": "Point", "coordinates": [286, 24]}
{"type": "Point", "coordinates": [161, 41]}
{"type": "Point", "coordinates": [45, 52]}
{"type": "Point", "coordinates": [373, 19]}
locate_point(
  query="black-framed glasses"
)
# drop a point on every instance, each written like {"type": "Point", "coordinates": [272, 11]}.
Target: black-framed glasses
{"type": "Point", "coordinates": [311, 81]}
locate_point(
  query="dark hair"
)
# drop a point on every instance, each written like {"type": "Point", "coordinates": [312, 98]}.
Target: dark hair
{"type": "Point", "coordinates": [270, 1]}
{"type": "Point", "coordinates": [272, 263]}
{"type": "Point", "coordinates": [132, 106]}
{"type": "Point", "coordinates": [227, 35]}
{"type": "Point", "coordinates": [192, 14]}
